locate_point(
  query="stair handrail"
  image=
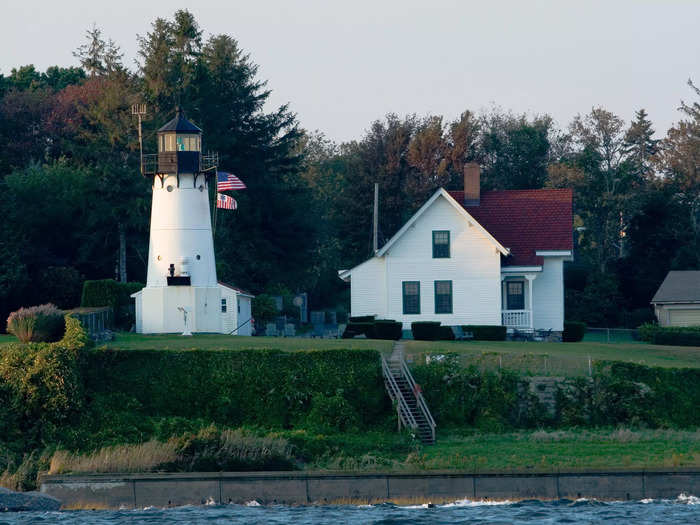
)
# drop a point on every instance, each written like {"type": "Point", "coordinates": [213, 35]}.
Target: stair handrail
{"type": "Point", "coordinates": [419, 397]}
{"type": "Point", "coordinates": [405, 414]}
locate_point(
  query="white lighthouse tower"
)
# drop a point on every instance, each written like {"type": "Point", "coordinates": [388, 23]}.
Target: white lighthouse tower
{"type": "Point", "coordinates": [181, 293]}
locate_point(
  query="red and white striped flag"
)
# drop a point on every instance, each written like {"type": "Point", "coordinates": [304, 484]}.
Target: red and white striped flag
{"type": "Point", "coordinates": [225, 202]}
{"type": "Point", "coordinates": [228, 181]}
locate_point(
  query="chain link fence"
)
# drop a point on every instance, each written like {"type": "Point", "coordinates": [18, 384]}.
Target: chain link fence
{"type": "Point", "coordinates": [611, 335]}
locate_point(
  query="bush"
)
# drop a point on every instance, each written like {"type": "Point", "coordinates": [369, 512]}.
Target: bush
{"type": "Point", "coordinates": [264, 310]}
{"type": "Point", "coordinates": [44, 323]}
{"type": "Point", "coordinates": [446, 333]}
{"type": "Point", "coordinates": [647, 331]}
{"type": "Point", "coordinates": [486, 332]}
{"type": "Point", "coordinates": [362, 319]}
{"type": "Point", "coordinates": [116, 295]}
{"type": "Point", "coordinates": [573, 331]}
{"type": "Point", "coordinates": [332, 413]}
{"type": "Point", "coordinates": [677, 337]}
{"type": "Point", "coordinates": [426, 330]}
{"type": "Point", "coordinates": [257, 387]}
{"type": "Point", "coordinates": [355, 328]}
{"type": "Point", "coordinates": [387, 329]}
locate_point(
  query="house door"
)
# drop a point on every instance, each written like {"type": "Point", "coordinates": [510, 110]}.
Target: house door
{"type": "Point", "coordinates": [515, 295]}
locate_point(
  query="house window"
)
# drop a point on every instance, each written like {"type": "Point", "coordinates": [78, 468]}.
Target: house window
{"type": "Point", "coordinates": [411, 297]}
{"type": "Point", "coordinates": [441, 244]}
{"type": "Point", "coordinates": [515, 298]}
{"type": "Point", "coordinates": [443, 297]}
{"type": "Point", "coordinates": [223, 306]}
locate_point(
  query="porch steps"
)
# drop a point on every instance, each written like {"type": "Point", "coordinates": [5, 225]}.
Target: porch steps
{"type": "Point", "coordinates": [412, 410]}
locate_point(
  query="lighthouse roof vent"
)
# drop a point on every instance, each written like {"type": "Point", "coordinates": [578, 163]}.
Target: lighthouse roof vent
{"type": "Point", "coordinates": [180, 124]}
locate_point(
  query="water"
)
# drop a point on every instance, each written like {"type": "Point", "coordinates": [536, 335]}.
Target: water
{"type": "Point", "coordinates": [684, 509]}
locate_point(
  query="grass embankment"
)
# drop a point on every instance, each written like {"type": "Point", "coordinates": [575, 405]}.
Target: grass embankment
{"type": "Point", "coordinates": [536, 451]}
{"type": "Point", "coordinates": [541, 358]}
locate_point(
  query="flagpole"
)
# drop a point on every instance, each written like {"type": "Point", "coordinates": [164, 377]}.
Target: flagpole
{"type": "Point", "coordinates": [216, 207]}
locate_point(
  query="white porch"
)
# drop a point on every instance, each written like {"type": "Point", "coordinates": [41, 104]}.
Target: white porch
{"type": "Point", "coordinates": [517, 297]}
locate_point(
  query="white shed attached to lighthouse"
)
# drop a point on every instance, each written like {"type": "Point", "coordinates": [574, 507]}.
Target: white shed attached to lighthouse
{"type": "Point", "coordinates": [182, 292]}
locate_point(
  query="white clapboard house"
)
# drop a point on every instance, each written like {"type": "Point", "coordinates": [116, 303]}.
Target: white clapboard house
{"type": "Point", "coordinates": [473, 258]}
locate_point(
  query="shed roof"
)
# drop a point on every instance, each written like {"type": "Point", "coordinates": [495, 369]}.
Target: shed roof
{"type": "Point", "coordinates": [679, 287]}
{"type": "Point", "coordinates": [236, 289]}
{"type": "Point", "coordinates": [526, 221]}
{"type": "Point", "coordinates": [180, 124]}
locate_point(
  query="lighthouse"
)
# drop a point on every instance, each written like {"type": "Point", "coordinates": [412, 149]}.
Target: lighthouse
{"type": "Point", "coordinates": [182, 293]}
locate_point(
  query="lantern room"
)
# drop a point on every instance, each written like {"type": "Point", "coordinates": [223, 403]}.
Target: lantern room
{"type": "Point", "coordinates": [179, 146]}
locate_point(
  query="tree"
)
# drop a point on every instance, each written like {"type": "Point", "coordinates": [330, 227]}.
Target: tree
{"type": "Point", "coordinates": [640, 147]}
{"type": "Point", "coordinates": [99, 57]}
{"type": "Point", "coordinates": [514, 151]}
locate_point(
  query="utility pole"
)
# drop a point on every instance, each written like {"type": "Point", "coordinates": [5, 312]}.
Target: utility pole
{"type": "Point", "coordinates": [375, 220]}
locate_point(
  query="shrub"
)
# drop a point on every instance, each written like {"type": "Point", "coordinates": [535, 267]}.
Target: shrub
{"type": "Point", "coordinates": [42, 323]}
{"type": "Point", "coordinates": [264, 309]}
{"type": "Point", "coordinates": [486, 332]}
{"type": "Point", "coordinates": [353, 329]}
{"type": "Point", "coordinates": [108, 292]}
{"type": "Point", "coordinates": [573, 331]}
{"type": "Point", "coordinates": [332, 413]}
{"type": "Point", "coordinates": [677, 337]}
{"type": "Point", "coordinates": [362, 319]}
{"type": "Point", "coordinates": [387, 329]}
{"type": "Point", "coordinates": [647, 331]}
{"type": "Point", "coordinates": [426, 330]}
{"type": "Point", "coordinates": [669, 335]}
{"type": "Point", "coordinates": [446, 333]}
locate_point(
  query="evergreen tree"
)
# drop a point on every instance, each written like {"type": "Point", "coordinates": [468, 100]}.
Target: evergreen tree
{"type": "Point", "coordinates": [640, 146]}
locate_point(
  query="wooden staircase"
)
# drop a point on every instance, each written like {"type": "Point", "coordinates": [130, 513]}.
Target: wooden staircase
{"type": "Point", "coordinates": [412, 410]}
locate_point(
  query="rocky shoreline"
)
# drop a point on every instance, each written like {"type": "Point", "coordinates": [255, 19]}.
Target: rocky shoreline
{"type": "Point", "coordinates": [11, 501]}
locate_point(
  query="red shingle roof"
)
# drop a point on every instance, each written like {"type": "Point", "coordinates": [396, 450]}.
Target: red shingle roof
{"type": "Point", "coordinates": [525, 221]}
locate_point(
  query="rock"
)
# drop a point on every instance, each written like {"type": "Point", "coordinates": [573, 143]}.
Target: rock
{"type": "Point", "coordinates": [11, 501]}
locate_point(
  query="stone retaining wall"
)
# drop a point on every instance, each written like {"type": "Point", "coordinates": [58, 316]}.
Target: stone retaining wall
{"type": "Point", "coordinates": [163, 490]}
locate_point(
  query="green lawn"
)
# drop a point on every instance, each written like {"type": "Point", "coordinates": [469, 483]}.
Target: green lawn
{"type": "Point", "coordinates": [131, 341]}
{"type": "Point", "coordinates": [554, 358]}
{"type": "Point", "coordinates": [562, 450]}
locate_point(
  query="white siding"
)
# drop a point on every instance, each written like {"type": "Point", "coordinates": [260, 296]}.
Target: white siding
{"type": "Point", "coordinates": [244, 314]}
{"type": "Point", "coordinates": [473, 267]}
{"type": "Point", "coordinates": [368, 288]}
{"type": "Point", "coordinates": [548, 298]}
{"type": "Point", "coordinates": [228, 318]}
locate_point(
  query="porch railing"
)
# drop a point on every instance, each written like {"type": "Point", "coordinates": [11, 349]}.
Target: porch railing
{"type": "Point", "coordinates": [515, 318]}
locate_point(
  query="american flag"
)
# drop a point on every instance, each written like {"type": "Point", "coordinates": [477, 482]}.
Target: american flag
{"type": "Point", "coordinates": [228, 181]}
{"type": "Point", "coordinates": [226, 202]}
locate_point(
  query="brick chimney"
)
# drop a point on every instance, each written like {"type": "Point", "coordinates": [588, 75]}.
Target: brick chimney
{"type": "Point", "coordinates": [472, 184]}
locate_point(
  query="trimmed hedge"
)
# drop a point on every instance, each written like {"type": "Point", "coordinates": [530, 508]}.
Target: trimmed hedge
{"type": "Point", "coordinates": [362, 319]}
{"type": "Point", "coordinates": [387, 329]}
{"type": "Point", "coordinates": [677, 338]}
{"type": "Point", "coordinates": [573, 331]}
{"type": "Point", "coordinates": [669, 335]}
{"type": "Point", "coordinates": [426, 330]}
{"type": "Point", "coordinates": [446, 333]}
{"type": "Point", "coordinates": [358, 328]}
{"type": "Point", "coordinates": [108, 292]}
{"type": "Point", "coordinates": [374, 329]}
{"type": "Point", "coordinates": [269, 388]}
{"type": "Point", "coordinates": [486, 332]}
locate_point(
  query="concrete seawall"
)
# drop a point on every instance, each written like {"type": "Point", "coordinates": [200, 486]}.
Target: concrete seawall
{"type": "Point", "coordinates": [301, 488]}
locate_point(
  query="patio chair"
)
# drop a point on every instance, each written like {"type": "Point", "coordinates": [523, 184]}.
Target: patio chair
{"type": "Point", "coordinates": [271, 330]}
{"type": "Point", "coordinates": [461, 335]}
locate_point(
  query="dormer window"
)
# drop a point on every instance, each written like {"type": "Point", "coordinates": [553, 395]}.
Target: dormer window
{"type": "Point", "coordinates": [441, 244]}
